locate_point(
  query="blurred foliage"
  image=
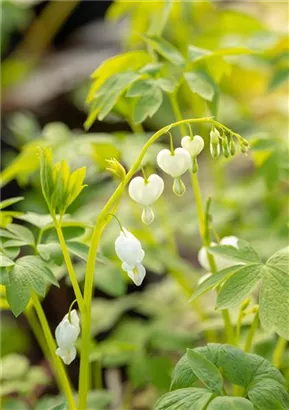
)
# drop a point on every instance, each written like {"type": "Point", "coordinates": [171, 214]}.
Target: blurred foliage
{"type": "Point", "coordinates": [241, 61]}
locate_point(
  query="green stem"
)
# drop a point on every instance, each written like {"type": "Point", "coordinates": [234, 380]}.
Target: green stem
{"type": "Point", "coordinates": [202, 220]}
{"type": "Point", "coordinates": [100, 224]}
{"type": "Point", "coordinates": [70, 268]}
{"type": "Point", "coordinates": [58, 366]}
{"type": "Point", "coordinates": [279, 352]}
{"type": "Point", "coordinates": [251, 334]}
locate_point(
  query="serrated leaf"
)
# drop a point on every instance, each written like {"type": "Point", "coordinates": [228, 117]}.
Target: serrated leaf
{"type": "Point", "coordinates": [243, 252]}
{"type": "Point", "coordinates": [200, 85]}
{"type": "Point", "coordinates": [165, 49]}
{"type": "Point", "coordinates": [214, 280]}
{"type": "Point", "coordinates": [206, 371]}
{"type": "Point", "coordinates": [10, 201]}
{"type": "Point", "coordinates": [230, 403]}
{"type": "Point", "coordinates": [28, 273]}
{"type": "Point", "coordinates": [239, 286]}
{"type": "Point", "coordinates": [147, 106]}
{"type": "Point", "coordinates": [274, 301]}
{"type": "Point", "coordinates": [185, 399]}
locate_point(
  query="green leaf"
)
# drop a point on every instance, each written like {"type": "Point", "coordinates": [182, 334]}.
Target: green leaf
{"type": "Point", "coordinates": [206, 371]}
{"type": "Point", "coordinates": [280, 77]}
{"type": "Point", "coordinates": [230, 403]}
{"type": "Point", "coordinates": [280, 260]}
{"type": "Point", "coordinates": [28, 273]}
{"type": "Point", "coordinates": [10, 201]}
{"type": "Point", "coordinates": [51, 251]}
{"type": "Point", "coordinates": [184, 399]}
{"type": "Point", "coordinates": [274, 299]}
{"type": "Point", "coordinates": [141, 87]}
{"type": "Point", "coordinates": [167, 85]}
{"type": "Point", "coordinates": [214, 280]}
{"type": "Point", "coordinates": [111, 91]}
{"type": "Point", "coordinates": [196, 52]}
{"type": "Point", "coordinates": [62, 406]}
{"type": "Point", "coordinates": [147, 106]}
{"type": "Point", "coordinates": [242, 253]}
{"type": "Point", "coordinates": [5, 261]}
{"type": "Point", "coordinates": [21, 233]}
{"type": "Point", "coordinates": [35, 219]}
{"type": "Point", "coordinates": [268, 394]}
{"type": "Point", "coordinates": [15, 404]}
{"type": "Point", "coordinates": [4, 276]}
{"type": "Point", "coordinates": [252, 372]}
{"type": "Point", "coordinates": [200, 85]}
{"type": "Point", "coordinates": [165, 49]}
{"type": "Point", "coordinates": [239, 286]}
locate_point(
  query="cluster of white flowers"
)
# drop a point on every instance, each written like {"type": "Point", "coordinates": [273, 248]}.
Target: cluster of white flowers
{"type": "Point", "coordinates": [175, 163]}
{"type": "Point", "coordinates": [66, 335]}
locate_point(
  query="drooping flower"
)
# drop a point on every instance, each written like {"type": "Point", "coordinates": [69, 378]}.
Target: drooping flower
{"type": "Point", "coordinates": [175, 163]}
{"type": "Point", "coordinates": [221, 261]}
{"type": "Point", "coordinates": [193, 145]}
{"type": "Point", "coordinates": [128, 249]}
{"type": "Point", "coordinates": [146, 192]}
{"type": "Point", "coordinates": [66, 335]}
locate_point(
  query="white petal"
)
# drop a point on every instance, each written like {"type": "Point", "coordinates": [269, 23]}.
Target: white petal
{"type": "Point", "coordinates": [174, 165]}
{"type": "Point", "coordinates": [73, 318]}
{"type": "Point", "coordinates": [230, 240]}
{"type": "Point", "coordinates": [128, 248]}
{"type": "Point", "coordinates": [67, 355]}
{"type": "Point", "coordinates": [66, 333]}
{"type": "Point", "coordinates": [137, 274]}
{"type": "Point", "coordinates": [193, 146]}
{"type": "Point", "coordinates": [146, 193]}
{"type": "Point", "coordinates": [203, 257]}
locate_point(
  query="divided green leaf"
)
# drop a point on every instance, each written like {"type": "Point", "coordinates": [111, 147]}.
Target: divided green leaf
{"type": "Point", "coordinates": [185, 399]}
{"type": "Point", "coordinates": [165, 49]}
{"type": "Point", "coordinates": [230, 403]}
{"type": "Point", "coordinates": [206, 371]}
{"type": "Point", "coordinates": [29, 273]}
{"type": "Point", "coordinates": [198, 84]}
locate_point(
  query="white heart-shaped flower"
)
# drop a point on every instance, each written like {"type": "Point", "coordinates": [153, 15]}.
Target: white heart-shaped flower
{"type": "Point", "coordinates": [146, 192]}
{"type": "Point", "coordinates": [174, 165]}
{"type": "Point", "coordinates": [128, 249]}
{"type": "Point", "coordinates": [221, 261]}
{"type": "Point", "coordinates": [66, 335]}
{"type": "Point", "coordinates": [193, 145]}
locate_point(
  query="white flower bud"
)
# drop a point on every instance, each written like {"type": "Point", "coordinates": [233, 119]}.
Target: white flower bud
{"type": "Point", "coordinates": [174, 164]}
{"type": "Point", "coordinates": [193, 145]}
{"type": "Point", "coordinates": [214, 136]}
{"type": "Point", "coordinates": [147, 215]}
{"type": "Point", "coordinates": [128, 249]}
{"type": "Point", "coordinates": [220, 261]}
{"type": "Point", "coordinates": [66, 335]}
{"type": "Point", "coordinates": [146, 192]}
